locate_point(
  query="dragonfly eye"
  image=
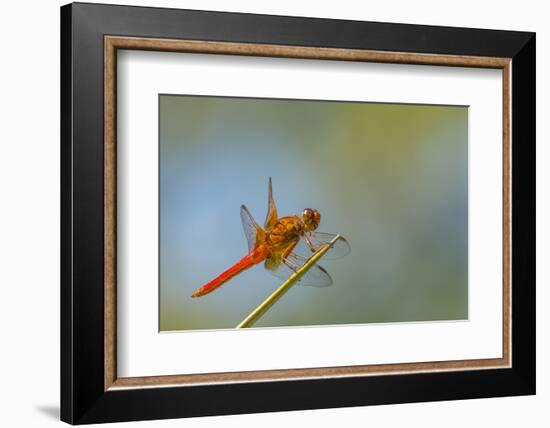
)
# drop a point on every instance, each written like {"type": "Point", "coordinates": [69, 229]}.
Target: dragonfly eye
{"type": "Point", "coordinates": [311, 218]}
{"type": "Point", "coordinates": [316, 218]}
{"type": "Point", "coordinates": [307, 215]}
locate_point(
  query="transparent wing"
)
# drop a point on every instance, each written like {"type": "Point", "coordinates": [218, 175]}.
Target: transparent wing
{"type": "Point", "coordinates": [253, 232]}
{"type": "Point", "coordinates": [271, 217]}
{"type": "Point", "coordinates": [316, 276]}
{"type": "Point", "coordinates": [338, 250]}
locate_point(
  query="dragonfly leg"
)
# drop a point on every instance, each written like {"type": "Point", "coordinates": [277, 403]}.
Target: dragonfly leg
{"type": "Point", "coordinates": [309, 244]}
{"type": "Point", "coordinates": [289, 249]}
{"type": "Point", "coordinates": [290, 264]}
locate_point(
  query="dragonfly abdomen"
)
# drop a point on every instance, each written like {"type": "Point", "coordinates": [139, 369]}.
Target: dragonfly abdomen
{"type": "Point", "coordinates": [257, 255]}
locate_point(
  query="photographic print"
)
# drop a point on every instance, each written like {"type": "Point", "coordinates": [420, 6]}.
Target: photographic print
{"type": "Point", "coordinates": [358, 210]}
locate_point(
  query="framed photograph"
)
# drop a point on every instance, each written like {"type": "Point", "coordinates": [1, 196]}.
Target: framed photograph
{"type": "Point", "coordinates": [265, 213]}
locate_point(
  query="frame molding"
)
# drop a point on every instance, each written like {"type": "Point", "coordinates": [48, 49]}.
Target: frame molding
{"type": "Point", "coordinates": [90, 390]}
{"type": "Point", "coordinates": [114, 43]}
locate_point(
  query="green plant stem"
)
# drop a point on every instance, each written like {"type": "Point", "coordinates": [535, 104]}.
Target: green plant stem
{"type": "Point", "coordinates": [263, 307]}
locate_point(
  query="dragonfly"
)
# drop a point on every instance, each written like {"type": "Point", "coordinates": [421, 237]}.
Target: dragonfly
{"type": "Point", "coordinates": [284, 244]}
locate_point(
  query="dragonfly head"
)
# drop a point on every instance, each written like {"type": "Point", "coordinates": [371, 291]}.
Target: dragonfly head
{"type": "Point", "coordinates": [311, 219]}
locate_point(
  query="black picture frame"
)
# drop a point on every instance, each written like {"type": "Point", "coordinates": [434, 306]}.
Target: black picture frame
{"type": "Point", "coordinates": [83, 396]}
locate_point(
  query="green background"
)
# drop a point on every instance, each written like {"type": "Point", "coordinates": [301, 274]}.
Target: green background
{"type": "Point", "coordinates": [391, 178]}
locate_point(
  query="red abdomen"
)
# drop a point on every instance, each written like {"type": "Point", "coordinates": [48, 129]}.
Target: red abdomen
{"type": "Point", "coordinates": [256, 256]}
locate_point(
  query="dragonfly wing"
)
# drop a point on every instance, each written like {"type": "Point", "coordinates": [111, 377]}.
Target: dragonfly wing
{"type": "Point", "coordinates": [253, 232]}
{"type": "Point", "coordinates": [316, 276]}
{"type": "Point", "coordinates": [338, 250]}
{"type": "Point", "coordinates": [271, 217]}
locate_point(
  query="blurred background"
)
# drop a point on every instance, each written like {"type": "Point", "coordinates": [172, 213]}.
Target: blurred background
{"type": "Point", "coordinates": [391, 178]}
